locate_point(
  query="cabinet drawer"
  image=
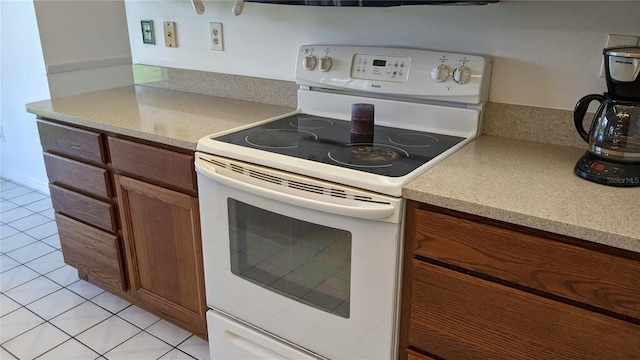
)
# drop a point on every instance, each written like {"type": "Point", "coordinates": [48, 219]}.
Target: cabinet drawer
{"type": "Point", "coordinates": [412, 355]}
{"type": "Point", "coordinates": [606, 281]}
{"type": "Point", "coordinates": [152, 163]}
{"type": "Point", "coordinates": [84, 208]}
{"type": "Point", "coordinates": [457, 316]}
{"type": "Point", "coordinates": [92, 251]}
{"type": "Point", "coordinates": [72, 142]}
{"type": "Point", "coordinates": [77, 175]}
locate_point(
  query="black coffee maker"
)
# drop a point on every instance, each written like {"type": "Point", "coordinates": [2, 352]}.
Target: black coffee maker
{"type": "Point", "coordinates": [614, 137]}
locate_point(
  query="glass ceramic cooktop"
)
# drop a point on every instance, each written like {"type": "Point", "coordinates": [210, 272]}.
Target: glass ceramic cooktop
{"type": "Point", "coordinates": [389, 151]}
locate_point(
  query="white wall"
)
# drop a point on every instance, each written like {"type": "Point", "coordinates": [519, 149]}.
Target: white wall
{"type": "Point", "coordinates": [54, 48]}
{"type": "Point", "coordinates": [85, 45]}
{"type": "Point", "coordinates": [23, 79]}
{"type": "Point", "coordinates": [545, 54]}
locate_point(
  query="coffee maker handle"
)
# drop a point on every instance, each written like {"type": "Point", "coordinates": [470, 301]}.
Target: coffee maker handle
{"type": "Point", "coordinates": [581, 110]}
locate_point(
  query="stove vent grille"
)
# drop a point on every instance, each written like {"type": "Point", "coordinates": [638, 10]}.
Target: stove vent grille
{"type": "Point", "coordinates": [320, 189]}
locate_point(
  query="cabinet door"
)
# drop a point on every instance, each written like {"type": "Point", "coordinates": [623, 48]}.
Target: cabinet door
{"type": "Point", "coordinates": [161, 231]}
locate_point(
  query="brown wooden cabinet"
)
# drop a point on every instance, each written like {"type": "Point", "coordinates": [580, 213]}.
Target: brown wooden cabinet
{"type": "Point", "coordinates": [128, 219]}
{"type": "Point", "coordinates": [161, 231]}
{"type": "Point", "coordinates": [475, 288]}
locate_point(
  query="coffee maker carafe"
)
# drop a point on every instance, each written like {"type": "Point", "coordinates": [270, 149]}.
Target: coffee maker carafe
{"type": "Point", "coordinates": [614, 137]}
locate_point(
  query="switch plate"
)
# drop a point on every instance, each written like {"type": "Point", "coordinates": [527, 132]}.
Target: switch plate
{"type": "Point", "coordinates": [147, 32]}
{"type": "Point", "coordinates": [619, 40]}
{"type": "Point", "coordinates": [215, 36]}
{"type": "Point", "coordinates": [170, 34]}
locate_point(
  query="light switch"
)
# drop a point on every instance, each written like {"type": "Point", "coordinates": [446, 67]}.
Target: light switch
{"type": "Point", "coordinates": [147, 32]}
{"type": "Point", "coordinates": [170, 34]}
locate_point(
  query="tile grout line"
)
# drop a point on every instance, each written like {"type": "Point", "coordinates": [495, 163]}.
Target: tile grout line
{"type": "Point", "coordinates": [44, 275]}
{"type": "Point", "coordinates": [74, 336]}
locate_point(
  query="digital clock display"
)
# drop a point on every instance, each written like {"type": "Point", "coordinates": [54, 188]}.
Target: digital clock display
{"type": "Point", "coordinates": [379, 62]}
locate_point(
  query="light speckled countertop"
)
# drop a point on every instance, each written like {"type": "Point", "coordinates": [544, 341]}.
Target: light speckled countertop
{"type": "Point", "coordinates": [516, 181]}
{"type": "Point", "coordinates": [531, 184]}
{"type": "Point", "coordinates": [169, 117]}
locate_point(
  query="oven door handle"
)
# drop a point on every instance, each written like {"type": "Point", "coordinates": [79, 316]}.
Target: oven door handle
{"type": "Point", "coordinates": [279, 352]}
{"type": "Point", "coordinates": [363, 210]}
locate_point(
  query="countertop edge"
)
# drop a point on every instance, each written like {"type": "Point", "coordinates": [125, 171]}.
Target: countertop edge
{"type": "Point", "coordinates": [111, 129]}
{"type": "Point", "coordinates": [518, 218]}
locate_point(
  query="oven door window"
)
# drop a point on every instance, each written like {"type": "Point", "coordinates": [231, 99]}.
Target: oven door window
{"type": "Point", "coordinates": [303, 261]}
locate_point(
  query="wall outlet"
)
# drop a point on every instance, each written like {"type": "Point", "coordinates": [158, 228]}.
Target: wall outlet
{"type": "Point", "coordinates": [215, 36]}
{"type": "Point", "coordinates": [619, 40]}
{"type": "Point", "coordinates": [170, 39]}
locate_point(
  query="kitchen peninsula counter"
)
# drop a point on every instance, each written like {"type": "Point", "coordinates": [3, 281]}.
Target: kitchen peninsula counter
{"type": "Point", "coordinates": [531, 184]}
{"type": "Point", "coordinates": [169, 117]}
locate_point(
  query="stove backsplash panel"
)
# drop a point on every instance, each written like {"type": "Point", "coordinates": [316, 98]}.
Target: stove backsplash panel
{"type": "Point", "coordinates": [538, 124]}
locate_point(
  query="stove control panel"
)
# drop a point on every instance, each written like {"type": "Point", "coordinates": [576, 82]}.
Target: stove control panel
{"type": "Point", "coordinates": [380, 67]}
{"type": "Point", "coordinates": [400, 72]}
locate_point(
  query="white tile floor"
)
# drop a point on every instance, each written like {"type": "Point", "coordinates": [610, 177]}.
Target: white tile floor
{"type": "Point", "coordinates": [48, 313]}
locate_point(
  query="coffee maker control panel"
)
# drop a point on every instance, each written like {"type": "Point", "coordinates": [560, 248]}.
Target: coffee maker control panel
{"type": "Point", "coordinates": [608, 173]}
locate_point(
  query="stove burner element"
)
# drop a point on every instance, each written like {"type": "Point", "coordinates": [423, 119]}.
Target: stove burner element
{"type": "Point", "coordinates": [368, 155]}
{"type": "Point", "coordinates": [311, 123]}
{"type": "Point", "coordinates": [279, 138]}
{"type": "Point", "coordinates": [413, 140]}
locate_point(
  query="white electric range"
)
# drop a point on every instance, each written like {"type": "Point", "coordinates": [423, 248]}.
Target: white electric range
{"type": "Point", "coordinates": [302, 217]}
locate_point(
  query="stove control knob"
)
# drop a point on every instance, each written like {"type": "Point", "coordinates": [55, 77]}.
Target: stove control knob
{"type": "Point", "coordinates": [325, 63]}
{"type": "Point", "coordinates": [309, 62]}
{"type": "Point", "coordinates": [440, 73]}
{"type": "Point", "coordinates": [462, 75]}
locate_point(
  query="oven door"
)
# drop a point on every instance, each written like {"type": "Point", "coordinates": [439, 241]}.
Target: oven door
{"type": "Point", "coordinates": [313, 263]}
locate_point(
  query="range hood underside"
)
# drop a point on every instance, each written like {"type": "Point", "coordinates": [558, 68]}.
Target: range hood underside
{"type": "Point", "coordinates": [373, 3]}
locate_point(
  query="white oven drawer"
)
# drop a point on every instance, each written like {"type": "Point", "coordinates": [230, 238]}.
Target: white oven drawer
{"type": "Point", "coordinates": [232, 340]}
